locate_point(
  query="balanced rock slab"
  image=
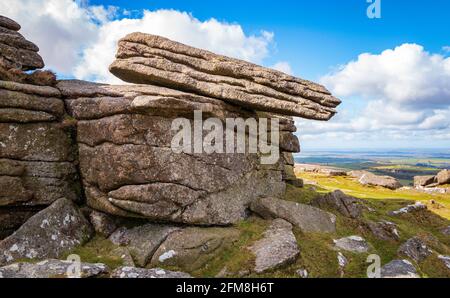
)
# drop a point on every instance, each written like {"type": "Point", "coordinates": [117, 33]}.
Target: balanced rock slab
{"type": "Point", "coordinates": [277, 248]}
{"type": "Point", "coordinates": [306, 217]}
{"type": "Point", "coordinates": [150, 59]}
{"type": "Point", "coordinates": [48, 234]}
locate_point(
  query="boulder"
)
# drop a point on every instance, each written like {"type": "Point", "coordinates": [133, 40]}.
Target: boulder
{"type": "Point", "coordinates": [52, 269]}
{"type": "Point", "coordinates": [150, 59]}
{"type": "Point", "coordinates": [337, 200]}
{"type": "Point", "coordinates": [446, 231]}
{"type": "Point", "coordinates": [415, 248]}
{"type": "Point", "coordinates": [277, 248]}
{"type": "Point", "coordinates": [191, 248]}
{"type": "Point", "coordinates": [443, 177]}
{"type": "Point", "coordinates": [142, 241]}
{"type": "Point", "coordinates": [48, 234]}
{"type": "Point", "coordinates": [306, 217]}
{"type": "Point", "coordinates": [399, 269]}
{"type": "Point", "coordinates": [383, 230]}
{"type": "Point", "coordinates": [367, 178]}
{"type": "Point", "coordinates": [354, 244]}
{"type": "Point", "coordinates": [445, 260]}
{"type": "Point", "coordinates": [416, 207]}
{"type": "Point", "coordinates": [424, 180]}
{"type": "Point", "coordinates": [133, 272]}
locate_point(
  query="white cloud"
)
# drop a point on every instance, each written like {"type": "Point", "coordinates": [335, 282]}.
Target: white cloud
{"type": "Point", "coordinates": [61, 28]}
{"type": "Point", "coordinates": [406, 93]}
{"type": "Point", "coordinates": [446, 49]}
{"type": "Point", "coordinates": [78, 39]}
{"type": "Point", "coordinates": [283, 66]}
{"type": "Point", "coordinates": [406, 75]}
{"type": "Point", "coordinates": [223, 38]}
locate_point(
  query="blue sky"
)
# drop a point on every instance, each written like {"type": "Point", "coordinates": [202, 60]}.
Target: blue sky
{"type": "Point", "coordinates": [392, 73]}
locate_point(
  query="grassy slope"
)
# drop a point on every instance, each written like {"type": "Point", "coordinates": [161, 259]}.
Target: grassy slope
{"type": "Point", "coordinates": [317, 254]}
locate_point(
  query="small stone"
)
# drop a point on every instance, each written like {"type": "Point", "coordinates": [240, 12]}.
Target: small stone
{"type": "Point", "coordinates": [415, 248]}
{"type": "Point", "coordinates": [103, 223]}
{"type": "Point", "coordinates": [133, 272]}
{"type": "Point", "coordinates": [303, 273]}
{"type": "Point", "coordinates": [52, 268]}
{"type": "Point", "coordinates": [445, 260]}
{"type": "Point", "coordinates": [418, 206]}
{"type": "Point", "coordinates": [399, 269]}
{"type": "Point", "coordinates": [337, 200]}
{"type": "Point", "coordinates": [355, 244]}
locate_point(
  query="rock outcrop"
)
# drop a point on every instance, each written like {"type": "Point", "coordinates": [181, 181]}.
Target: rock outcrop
{"type": "Point", "coordinates": [399, 269]}
{"type": "Point", "coordinates": [37, 156]}
{"type": "Point", "coordinates": [346, 205]}
{"type": "Point", "coordinates": [415, 248]}
{"type": "Point", "coordinates": [150, 59]}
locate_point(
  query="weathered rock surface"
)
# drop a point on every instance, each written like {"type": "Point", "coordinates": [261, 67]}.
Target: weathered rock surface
{"type": "Point", "coordinates": [133, 272]}
{"type": "Point", "coordinates": [399, 269]}
{"type": "Point", "coordinates": [48, 234]}
{"type": "Point", "coordinates": [142, 241]}
{"type": "Point", "coordinates": [125, 136]}
{"type": "Point", "coordinates": [191, 248]}
{"type": "Point", "coordinates": [151, 59]}
{"type": "Point", "coordinates": [443, 177]}
{"type": "Point", "coordinates": [7, 23]}
{"type": "Point", "coordinates": [52, 269]}
{"type": "Point", "coordinates": [337, 200]}
{"type": "Point", "coordinates": [355, 244]}
{"type": "Point", "coordinates": [307, 218]}
{"type": "Point", "coordinates": [416, 207]}
{"type": "Point", "coordinates": [424, 180]}
{"type": "Point", "coordinates": [103, 224]}
{"type": "Point", "coordinates": [383, 230]}
{"type": "Point", "coordinates": [277, 248]}
{"type": "Point", "coordinates": [445, 260]}
{"type": "Point", "coordinates": [415, 248]}
{"type": "Point", "coordinates": [15, 51]}
{"type": "Point", "coordinates": [367, 178]}
{"type": "Point", "coordinates": [446, 231]}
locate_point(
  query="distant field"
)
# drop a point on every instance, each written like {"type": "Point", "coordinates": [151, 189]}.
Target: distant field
{"type": "Point", "coordinates": [401, 165]}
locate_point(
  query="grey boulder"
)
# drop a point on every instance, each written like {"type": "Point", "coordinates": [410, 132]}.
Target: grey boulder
{"type": "Point", "coordinates": [133, 272]}
{"type": "Point", "coordinates": [399, 269]}
{"type": "Point", "coordinates": [48, 234]}
{"type": "Point", "coordinates": [277, 248]}
{"type": "Point", "coordinates": [344, 204]}
{"type": "Point", "coordinates": [52, 269]}
{"type": "Point", "coordinates": [415, 248]}
{"type": "Point", "coordinates": [306, 217]}
{"type": "Point", "coordinates": [354, 244]}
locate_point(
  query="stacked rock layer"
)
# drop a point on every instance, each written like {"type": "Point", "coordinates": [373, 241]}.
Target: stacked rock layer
{"type": "Point", "coordinates": [36, 151]}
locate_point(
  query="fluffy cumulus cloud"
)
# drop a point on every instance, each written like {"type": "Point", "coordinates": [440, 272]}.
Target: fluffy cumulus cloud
{"type": "Point", "coordinates": [406, 92]}
{"type": "Point", "coordinates": [78, 39]}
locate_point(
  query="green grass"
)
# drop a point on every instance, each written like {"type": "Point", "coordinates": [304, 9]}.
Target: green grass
{"type": "Point", "coordinates": [352, 187]}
